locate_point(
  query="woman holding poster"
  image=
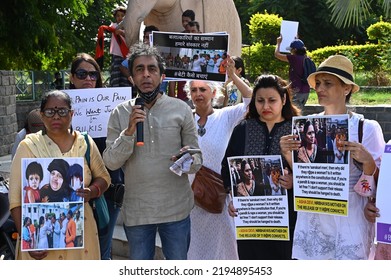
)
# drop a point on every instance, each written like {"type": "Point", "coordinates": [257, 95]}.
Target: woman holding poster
{"type": "Point", "coordinates": [86, 74]}
{"type": "Point", "coordinates": [58, 142]}
{"type": "Point", "coordinates": [269, 117]}
{"type": "Point", "coordinates": [213, 235]}
{"type": "Point", "coordinates": [331, 237]}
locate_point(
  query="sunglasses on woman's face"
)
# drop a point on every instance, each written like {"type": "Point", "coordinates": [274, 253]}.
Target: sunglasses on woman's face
{"type": "Point", "coordinates": [82, 74]}
{"type": "Point", "coordinates": [50, 112]}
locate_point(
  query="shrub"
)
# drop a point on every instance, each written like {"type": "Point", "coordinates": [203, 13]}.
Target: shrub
{"type": "Point", "coordinates": [380, 31]}
{"type": "Point", "coordinates": [264, 28]}
{"type": "Point", "coordinates": [260, 59]}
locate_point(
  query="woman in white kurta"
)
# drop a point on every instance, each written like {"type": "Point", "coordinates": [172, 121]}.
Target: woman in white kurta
{"type": "Point", "coordinates": [213, 235]}
{"type": "Point", "coordinates": [331, 237]}
{"type": "Point", "coordinates": [42, 234]}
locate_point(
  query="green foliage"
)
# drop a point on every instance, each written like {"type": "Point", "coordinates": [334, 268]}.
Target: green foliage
{"type": "Point", "coordinates": [360, 98]}
{"type": "Point", "coordinates": [365, 58]}
{"type": "Point", "coordinates": [314, 16]}
{"type": "Point", "coordinates": [46, 34]}
{"type": "Point", "coordinates": [264, 28]}
{"type": "Point", "coordinates": [380, 31]}
{"type": "Point", "coordinates": [260, 59]}
{"type": "Point", "coordinates": [346, 13]}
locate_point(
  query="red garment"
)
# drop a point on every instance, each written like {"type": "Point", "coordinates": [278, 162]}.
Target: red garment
{"type": "Point", "coordinates": [100, 44]}
{"type": "Point", "coordinates": [35, 192]}
{"type": "Point", "coordinates": [70, 233]}
{"type": "Point", "coordinates": [181, 94]}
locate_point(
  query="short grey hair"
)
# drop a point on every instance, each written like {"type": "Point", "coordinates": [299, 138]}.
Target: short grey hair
{"type": "Point", "coordinates": [214, 86]}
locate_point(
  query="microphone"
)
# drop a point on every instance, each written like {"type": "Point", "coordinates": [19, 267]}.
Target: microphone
{"type": "Point", "coordinates": [140, 125]}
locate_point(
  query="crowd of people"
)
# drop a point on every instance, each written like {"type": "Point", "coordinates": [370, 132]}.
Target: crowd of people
{"type": "Point", "coordinates": [50, 232]}
{"type": "Point", "coordinates": [139, 179]}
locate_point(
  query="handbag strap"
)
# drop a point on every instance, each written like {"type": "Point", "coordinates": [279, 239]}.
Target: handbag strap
{"type": "Point", "coordinates": [360, 129]}
{"type": "Point", "coordinates": [87, 154]}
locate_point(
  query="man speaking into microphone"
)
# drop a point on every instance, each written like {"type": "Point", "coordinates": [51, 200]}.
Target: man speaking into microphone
{"type": "Point", "coordinates": [156, 199]}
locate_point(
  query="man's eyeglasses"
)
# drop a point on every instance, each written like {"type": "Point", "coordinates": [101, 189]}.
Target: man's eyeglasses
{"type": "Point", "coordinates": [62, 112]}
{"type": "Point", "coordinates": [82, 74]}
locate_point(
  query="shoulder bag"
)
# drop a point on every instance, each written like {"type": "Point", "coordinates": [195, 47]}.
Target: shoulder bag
{"type": "Point", "coordinates": [209, 191]}
{"type": "Point", "coordinates": [99, 204]}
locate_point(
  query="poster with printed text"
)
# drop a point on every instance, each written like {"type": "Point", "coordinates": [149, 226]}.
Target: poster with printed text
{"type": "Point", "coordinates": [383, 194]}
{"type": "Point", "coordinates": [52, 212]}
{"type": "Point", "coordinates": [92, 107]}
{"type": "Point", "coordinates": [320, 167]}
{"type": "Point", "coordinates": [191, 56]}
{"type": "Point", "coordinates": [261, 202]}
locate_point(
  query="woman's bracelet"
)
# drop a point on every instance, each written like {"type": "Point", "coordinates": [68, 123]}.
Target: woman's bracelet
{"type": "Point", "coordinates": [97, 188]}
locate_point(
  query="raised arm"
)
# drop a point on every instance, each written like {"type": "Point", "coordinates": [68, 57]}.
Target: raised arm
{"type": "Point", "coordinates": [277, 52]}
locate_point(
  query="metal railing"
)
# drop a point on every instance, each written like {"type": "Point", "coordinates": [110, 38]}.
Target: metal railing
{"type": "Point", "coordinates": [30, 85]}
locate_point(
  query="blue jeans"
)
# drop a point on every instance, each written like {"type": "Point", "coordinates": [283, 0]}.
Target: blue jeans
{"type": "Point", "coordinates": [175, 237]}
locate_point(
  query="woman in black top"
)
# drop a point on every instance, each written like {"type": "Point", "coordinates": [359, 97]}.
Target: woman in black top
{"type": "Point", "coordinates": [268, 119]}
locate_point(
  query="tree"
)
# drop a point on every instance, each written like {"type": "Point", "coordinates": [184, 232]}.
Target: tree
{"type": "Point", "coordinates": [314, 16]}
{"type": "Point", "coordinates": [347, 13]}
{"type": "Point", "coordinates": [46, 34]}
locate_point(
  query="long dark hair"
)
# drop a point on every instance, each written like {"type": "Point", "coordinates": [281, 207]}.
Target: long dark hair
{"type": "Point", "coordinates": [89, 59]}
{"type": "Point", "coordinates": [289, 110]}
{"type": "Point", "coordinates": [307, 124]}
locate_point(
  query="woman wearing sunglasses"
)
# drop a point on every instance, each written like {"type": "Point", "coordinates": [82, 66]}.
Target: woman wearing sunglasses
{"type": "Point", "coordinates": [58, 142]}
{"type": "Point", "coordinates": [86, 73]}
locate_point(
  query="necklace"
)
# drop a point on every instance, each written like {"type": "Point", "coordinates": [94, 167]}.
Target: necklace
{"type": "Point", "coordinates": [201, 130]}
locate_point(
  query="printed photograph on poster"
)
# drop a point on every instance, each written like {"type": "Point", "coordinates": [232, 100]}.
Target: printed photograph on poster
{"type": "Point", "coordinates": [261, 202]}
{"type": "Point", "coordinates": [383, 194]}
{"type": "Point", "coordinates": [92, 107]}
{"type": "Point", "coordinates": [320, 168]}
{"type": "Point", "coordinates": [191, 56]}
{"type": "Point", "coordinates": [52, 213]}
{"type": "Point", "coordinates": [289, 32]}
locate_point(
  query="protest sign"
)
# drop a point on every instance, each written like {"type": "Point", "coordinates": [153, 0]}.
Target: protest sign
{"type": "Point", "coordinates": [288, 31]}
{"type": "Point", "coordinates": [49, 202]}
{"type": "Point", "coordinates": [92, 107]}
{"type": "Point", "coordinates": [182, 51]}
{"type": "Point", "coordinates": [261, 202]}
{"type": "Point", "coordinates": [320, 169]}
{"type": "Point", "coordinates": [383, 223]}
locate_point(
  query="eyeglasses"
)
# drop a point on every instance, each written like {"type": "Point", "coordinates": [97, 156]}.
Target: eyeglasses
{"type": "Point", "coordinates": [62, 112]}
{"type": "Point", "coordinates": [82, 74]}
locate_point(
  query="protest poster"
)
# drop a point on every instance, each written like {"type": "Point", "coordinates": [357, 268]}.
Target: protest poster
{"type": "Point", "coordinates": [186, 54]}
{"type": "Point", "coordinates": [288, 31]}
{"type": "Point", "coordinates": [383, 193]}
{"type": "Point", "coordinates": [320, 170]}
{"type": "Point", "coordinates": [52, 213]}
{"type": "Point", "coordinates": [92, 107]}
{"type": "Point", "coordinates": [260, 201]}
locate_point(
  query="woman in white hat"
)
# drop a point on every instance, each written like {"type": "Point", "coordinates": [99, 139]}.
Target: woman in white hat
{"type": "Point", "coordinates": [320, 236]}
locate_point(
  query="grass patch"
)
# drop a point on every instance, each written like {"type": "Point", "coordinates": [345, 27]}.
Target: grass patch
{"type": "Point", "coordinates": [360, 98]}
